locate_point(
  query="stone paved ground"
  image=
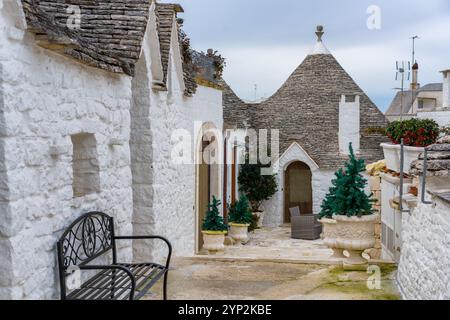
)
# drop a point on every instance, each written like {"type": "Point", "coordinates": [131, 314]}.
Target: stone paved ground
{"type": "Point", "coordinates": [273, 266]}
{"type": "Point", "coordinates": [197, 279]}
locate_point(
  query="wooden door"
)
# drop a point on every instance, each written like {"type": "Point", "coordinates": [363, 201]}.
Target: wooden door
{"type": "Point", "coordinates": [297, 189]}
{"type": "Point", "coordinates": [204, 195]}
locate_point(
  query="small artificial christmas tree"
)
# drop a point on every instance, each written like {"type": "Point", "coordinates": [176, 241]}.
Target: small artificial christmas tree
{"type": "Point", "coordinates": [213, 221]}
{"type": "Point", "coordinates": [347, 196]}
{"type": "Point", "coordinates": [240, 212]}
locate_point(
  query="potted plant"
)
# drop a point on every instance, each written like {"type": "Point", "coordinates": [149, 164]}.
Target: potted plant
{"type": "Point", "coordinates": [214, 228]}
{"type": "Point", "coordinates": [240, 218]}
{"type": "Point", "coordinates": [416, 134]}
{"type": "Point", "coordinates": [257, 187]}
{"type": "Point", "coordinates": [351, 208]}
{"type": "Point", "coordinates": [330, 229]}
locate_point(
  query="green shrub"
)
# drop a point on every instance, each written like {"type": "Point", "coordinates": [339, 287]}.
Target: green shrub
{"type": "Point", "coordinates": [213, 220]}
{"type": "Point", "coordinates": [347, 195]}
{"type": "Point", "coordinates": [414, 132]}
{"type": "Point", "coordinates": [254, 185]}
{"type": "Point", "coordinates": [240, 212]}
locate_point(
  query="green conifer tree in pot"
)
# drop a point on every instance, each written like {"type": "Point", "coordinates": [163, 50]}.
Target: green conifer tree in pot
{"type": "Point", "coordinates": [240, 218]}
{"type": "Point", "coordinates": [347, 212]}
{"type": "Point", "coordinates": [214, 228]}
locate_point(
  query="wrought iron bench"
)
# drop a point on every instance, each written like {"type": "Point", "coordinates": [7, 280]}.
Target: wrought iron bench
{"type": "Point", "coordinates": [91, 237]}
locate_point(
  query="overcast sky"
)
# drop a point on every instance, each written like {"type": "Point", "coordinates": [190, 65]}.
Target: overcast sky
{"type": "Point", "coordinates": [264, 41]}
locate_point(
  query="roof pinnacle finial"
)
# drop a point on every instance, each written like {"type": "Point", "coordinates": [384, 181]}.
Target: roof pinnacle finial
{"type": "Point", "coordinates": [319, 33]}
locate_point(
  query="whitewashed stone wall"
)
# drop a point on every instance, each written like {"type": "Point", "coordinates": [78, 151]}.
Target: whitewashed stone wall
{"type": "Point", "coordinates": [442, 118]}
{"type": "Point", "coordinates": [46, 98]}
{"type": "Point", "coordinates": [423, 271]}
{"type": "Point", "coordinates": [349, 124]}
{"type": "Point", "coordinates": [321, 182]}
{"type": "Point", "coordinates": [446, 90]}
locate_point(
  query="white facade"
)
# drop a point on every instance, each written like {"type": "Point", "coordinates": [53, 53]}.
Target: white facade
{"type": "Point", "coordinates": [47, 99]}
{"type": "Point", "coordinates": [321, 182]}
{"type": "Point", "coordinates": [57, 115]}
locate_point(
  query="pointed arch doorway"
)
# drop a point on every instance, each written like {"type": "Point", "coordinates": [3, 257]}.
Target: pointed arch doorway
{"type": "Point", "coordinates": [297, 189]}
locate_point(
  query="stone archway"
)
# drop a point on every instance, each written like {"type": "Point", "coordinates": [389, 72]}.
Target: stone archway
{"type": "Point", "coordinates": [297, 189]}
{"type": "Point", "coordinates": [208, 175]}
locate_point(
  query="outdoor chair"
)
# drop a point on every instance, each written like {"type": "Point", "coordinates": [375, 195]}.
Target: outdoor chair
{"type": "Point", "coordinates": [91, 237]}
{"type": "Point", "coordinates": [304, 227]}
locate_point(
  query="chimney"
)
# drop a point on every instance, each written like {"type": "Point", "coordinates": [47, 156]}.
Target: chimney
{"type": "Point", "coordinates": [349, 123]}
{"type": "Point", "coordinates": [446, 89]}
{"type": "Point", "coordinates": [415, 77]}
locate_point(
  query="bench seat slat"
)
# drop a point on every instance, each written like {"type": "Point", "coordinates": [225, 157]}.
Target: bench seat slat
{"type": "Point", "coordinates": [107, 286]}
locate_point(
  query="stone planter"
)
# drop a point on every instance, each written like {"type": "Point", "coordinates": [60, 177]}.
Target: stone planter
{"type": "Point", "coordinates": [330, 236]}
{"type": "Point", "coordinates": [214, 241]}
{"type": "Point", "coordinates": [355, 235]}
{"type": "Point", "coordinates": [392, 156]}
{"type": "Point", "coordinates": [239, 232]}
{"type": "Point", "coordinates": [260, 216]}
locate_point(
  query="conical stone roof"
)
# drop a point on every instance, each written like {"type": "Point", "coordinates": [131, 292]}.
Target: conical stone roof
{"type": "Point", "coordinates": [306, 110]}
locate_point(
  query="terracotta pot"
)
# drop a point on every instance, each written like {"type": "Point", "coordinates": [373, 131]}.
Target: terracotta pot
{"type": "Point", "coordinates": [355, 235]}
{"type": "Point", "coordinates": [330, 235]}
{"type": "Point", "coordinates": [213, 241]}
{"type": "Point", "coordinates": [239, 232]}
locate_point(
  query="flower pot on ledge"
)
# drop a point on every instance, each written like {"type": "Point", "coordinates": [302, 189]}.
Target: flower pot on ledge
{"type": "Point", "coordinates": [214, 241]}
{"type": "Point", "coordinates": [392, 154]}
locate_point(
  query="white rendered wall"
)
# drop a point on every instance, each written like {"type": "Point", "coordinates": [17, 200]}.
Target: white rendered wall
{"type": "Point", "coordinates": [423, 271]}
{"type": "Point", "coordinates": [349, 125]}
{"type": "Point", "coordinates": [446, 90]}
{"type": "Point", "coordinates": [46, 99]}
{"type": "Point", "coordinates": [442, 118]}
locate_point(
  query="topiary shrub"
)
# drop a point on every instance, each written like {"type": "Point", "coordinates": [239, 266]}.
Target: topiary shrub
{"type": "Point", "coordinates": [347, 195]}
{"type": "Point", "coordinates": [414, 132]}
{"type": "Point", "coordinates": [254, 185]}
{"type": "Point", "coordinates": [240, 212]}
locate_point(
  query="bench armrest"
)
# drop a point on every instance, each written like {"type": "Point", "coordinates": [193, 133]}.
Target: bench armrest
{"type": "Point", "coordinates": [169, 245]}
{"type": "Point", "coordinates": [114, 267]}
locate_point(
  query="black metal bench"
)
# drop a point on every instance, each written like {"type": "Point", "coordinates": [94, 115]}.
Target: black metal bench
{"type": "Point", "coordinates": [92, 237]}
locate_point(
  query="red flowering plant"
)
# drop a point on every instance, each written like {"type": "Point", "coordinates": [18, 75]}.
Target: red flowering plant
{"type": "Point", "coordinates": [414, 132]}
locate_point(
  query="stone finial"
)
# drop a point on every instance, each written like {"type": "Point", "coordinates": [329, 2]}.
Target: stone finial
{"type": "Point", "coordinates": [319, 33]}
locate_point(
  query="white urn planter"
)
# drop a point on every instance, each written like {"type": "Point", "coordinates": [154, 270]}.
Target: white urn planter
{"type": "Point", "coordinates": [330, 235]}
{"type": "Point", "coordinates": [239, 232]}
{"type": "Point", "coordinates": [355, 235]}
{"type": "Point", "coordinates": [392, 156]}
{"type": "Point", "coordinates": [214, 241]}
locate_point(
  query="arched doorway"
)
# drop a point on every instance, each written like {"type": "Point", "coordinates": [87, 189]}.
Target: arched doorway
{"type": "Point", "coordinates": [208, 174]}
{"type": "Point", "coordinates": [297, 189]}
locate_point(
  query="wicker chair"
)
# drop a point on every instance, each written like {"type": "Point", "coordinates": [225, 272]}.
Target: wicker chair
{"type": "Point", "coordinates": [304, 227]}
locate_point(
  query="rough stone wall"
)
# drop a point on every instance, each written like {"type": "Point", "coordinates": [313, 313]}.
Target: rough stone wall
{"type": "Point", "coordinates": [424, 263]}
{"type": "Point", "coordinates": [46, 99]}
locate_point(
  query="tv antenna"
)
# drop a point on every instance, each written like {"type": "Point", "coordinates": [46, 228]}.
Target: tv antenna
{"type": "Point", "coordinates": [414, 38]}
{"type": "Point", "coordinates": [403, 74]}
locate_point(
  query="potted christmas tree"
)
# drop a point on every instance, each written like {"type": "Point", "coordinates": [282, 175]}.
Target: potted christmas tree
{"type": "Point", "coordinates": [257, 187]}
{"type": "Point", "coordinates": [240, 218]}
{"type": "Point", "coordinates": [350, 207]}
{"type": "Point", "coordinates": [214, 229]}
{"type": "Point", "coordinates": [416, 134]}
